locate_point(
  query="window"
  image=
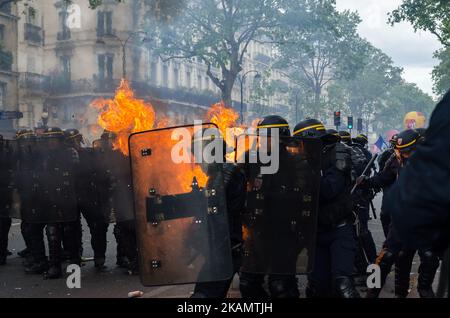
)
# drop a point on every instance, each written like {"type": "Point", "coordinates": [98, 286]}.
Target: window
{"type": "Point", "coordinates": [176, 75]}
{"type": "Point", "coordinates": [32, 16]}
{"type": "Point", "coordinates": [2, 32]}
{"type": "Point", "coordinates": [154, 73]}
{"type": "Point", "coordinates": [104, 23]}
{"type": "Point", "coordinates": [31, 64]}
{"type": "Point", "coordinates": [64, 33]}
{"type": "Point", "coordinates": [105, 67]}
{"type": "Point", "coordinates": [188, 79]}
{"type": "Point", "coordinates": [2, 95]}
{"type": "Point", "coordinates": [208, 84]}
{"type": "Point", "coordinates": [199, 82]}
{"type": "Point", "coordinates": [65, 68]}
{"type": "Point", "coordinates": [165, 78]}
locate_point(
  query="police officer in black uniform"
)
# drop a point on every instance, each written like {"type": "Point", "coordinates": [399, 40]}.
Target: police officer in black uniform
{"type": "Point", "coordinates": [26, 163]}
{"type": "Point", "coordinates": [116, 197]}
{"type": "Point", "coordinates": [384, 158]}
{"type": "Point", "coordinates": [362, 199]}
{"type": "Point", "coordinates": [56, 157]}
{"type": "Point", "coordinates": [235, 192]}
{"type": "Point", "coordinates": [336, 244]}
{"type": "Point", "coordinates": [6, 186]}
{"type": "Point", "coordinates": [419, 202]}
{"type": "Point", "coordinates": [280, 286]}
{"type": "Point", "coordinates": [396, 252]}
{"type": "Point", "coordinates": [87, 198]}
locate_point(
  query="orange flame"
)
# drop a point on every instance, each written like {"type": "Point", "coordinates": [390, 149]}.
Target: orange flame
{"type": "Point", "coordinates": [124, 115]}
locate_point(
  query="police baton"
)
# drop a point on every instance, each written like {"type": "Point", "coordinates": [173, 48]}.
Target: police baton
{"type": "Point", "coordinates": [366, 169]}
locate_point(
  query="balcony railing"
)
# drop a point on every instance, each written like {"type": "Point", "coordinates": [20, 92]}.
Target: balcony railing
{"type": "Point", "coordinates": [63, 35]}
{"type": "Point", "coordinates": [35, 83]}
{"type": "Point", "coordinates": [33, 34]}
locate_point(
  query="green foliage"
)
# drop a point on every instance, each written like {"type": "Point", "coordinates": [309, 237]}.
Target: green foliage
{"type": "Point", "coordinates": [441, 72]}
{"type": "Point", "coordinates": [428, 15]}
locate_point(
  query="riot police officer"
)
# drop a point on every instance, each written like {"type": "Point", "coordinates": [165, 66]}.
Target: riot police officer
{"type": "Point", "coordinates": [58, 162]}
{"type": "Point", "coordinates": [87, 198]}
{"type": "Point", "coordinates": [280, 286]}
{"type": "Point", "coordinates": [336, 245]}
{"type": "Point", "coordinates": [383, 159]}
{"type": "Point", "coordinates": [116, 200]}
{"type": "Point", "coordinates": [235, 192]}
{"type": "Point", "coordinates": [6, 180]}
{"type": "Point", "coordinates": [394, 250]}
{"type": "Point", "coordinates": [362, 199]}
{"type": "Point", "coordinates": [419, 201]}
{"type": "Point", "coordinates": [27, 157]}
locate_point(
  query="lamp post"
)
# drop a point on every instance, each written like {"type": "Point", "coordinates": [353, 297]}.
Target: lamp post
{"type": "Point", "coordinates": [123, 44]}
{"type": "Point", "coordinates": [242, 81]}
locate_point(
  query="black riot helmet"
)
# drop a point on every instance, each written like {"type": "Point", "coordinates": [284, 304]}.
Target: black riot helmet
{"type": "Point", "coordinates": [309, 128]}
{"type": "Point", "coordinates": [25, 134]}
{"type": "Point", "coordinates": [361, 139]}
{"type": "Point", "coordinates": [346, 137]}
{"type": "Point", "coordinates": [334, 133]}
{"type": "Point", "coordinates": [53, 133]}
{"type": "Point", "coordinates": [393, 140]}
{"type": "Point", "coordinates": [407, 142]}
{"type": "Point", "coordinates": [274, 122]}
{"type": "Point", "coordinates": [73, 137]}
{"type": "Point", "coordinates": [313, 128]}
{"type": "Point", "coordinates": [107, 139]}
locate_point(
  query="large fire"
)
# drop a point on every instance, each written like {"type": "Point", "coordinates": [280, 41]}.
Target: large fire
{"type": "Point", "coordinates": [124, 115]}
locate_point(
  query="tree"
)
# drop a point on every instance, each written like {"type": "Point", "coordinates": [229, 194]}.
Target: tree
{"type": "Point", "coordinates": [402, 98]}
{"type": "Point", "coordinates": [218, 32]}
{"type": "Point", "coordinates": [427, 15]}
{"type": "Point", "coordinates": [441, 72]}
{"type": "Point", "coordinates": [364, 95]}
{"type": "Point", "coordinates": [319, 45]}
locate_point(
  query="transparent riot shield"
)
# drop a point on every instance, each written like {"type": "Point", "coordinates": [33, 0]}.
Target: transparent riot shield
{"type": "Point", "coordinates": [46, 183]}
{"type": "Point", "coordinates": [181, 217]}
{"type": "Point", "coordinates": [279, 226]}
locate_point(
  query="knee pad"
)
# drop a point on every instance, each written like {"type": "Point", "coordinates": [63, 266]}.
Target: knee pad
{"type": "Point", "coordinates": [285, 287]}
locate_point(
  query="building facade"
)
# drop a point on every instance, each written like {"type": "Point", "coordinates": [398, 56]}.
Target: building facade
{"type": "Point", "coordinates": [69, 56]}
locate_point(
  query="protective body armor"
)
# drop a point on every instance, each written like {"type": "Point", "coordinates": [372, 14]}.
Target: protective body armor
{"type": "Point", "coordinates": [339, 209]}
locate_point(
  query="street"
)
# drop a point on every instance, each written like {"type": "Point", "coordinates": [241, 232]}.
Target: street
{"type": "Point", "coordinates": [116, 283]}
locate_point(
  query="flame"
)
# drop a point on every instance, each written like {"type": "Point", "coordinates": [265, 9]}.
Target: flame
{"type": "Point", "coordinates": [124, 115]}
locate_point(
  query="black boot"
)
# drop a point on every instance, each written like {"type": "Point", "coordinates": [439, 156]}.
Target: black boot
{"type": "Point", "coordinates": [5, 225]}
{"type": "Point", "coordinates": [54, 251]}
{"type": "Point", "coordinates": [385, 260]}
{"type": "Point", "coordinates": [251, 286]}
{"type": "Point", "coordinates": [283, 286]}
{"type": "Point", "coordinates": [37, 264]}
{"type": "Point", "coordinates": [71, 237]}
{"type": "Point", "coordinates": [402, 273]}
{"type": "Point", "coordinates": [345, 287]}
{"type": "Point", "coordinates": [429, 263]}
{"type": "Point", "coordinates": [25, 229]}
{"type": "Point", "coordinates": [122, 260]}
{"type": "Point", "coordinates": [99, 243]}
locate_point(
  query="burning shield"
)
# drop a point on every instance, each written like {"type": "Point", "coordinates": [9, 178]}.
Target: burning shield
{"type": "Point", "coordinates": [279, 226]}
{"type": "Point", "coordinates": [46, 183]}
{"type": "Point", "coordinates": [181, 217]}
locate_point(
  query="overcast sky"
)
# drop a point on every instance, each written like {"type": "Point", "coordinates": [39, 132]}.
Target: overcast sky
{"type": "Point", "coordinates": [412, 51]}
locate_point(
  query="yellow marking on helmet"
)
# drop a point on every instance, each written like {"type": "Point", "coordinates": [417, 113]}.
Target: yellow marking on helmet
{"type": "Point", "coordinates": [316, 127]}
{"type": "Point", "coordinates": [25, 134]}
{"type": "Point", "coordinates": [407, 145]}
{"type": "Point", "coordinates": [273, 126]}
{"type": "Point", "coordinates": [53, 133]}
{"type": "Point", "coordinates": [362, 137]}
{"type": "Point", "coordinates": [346, 137]}
{"type": "Point", "coordinates": [70, 137]}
